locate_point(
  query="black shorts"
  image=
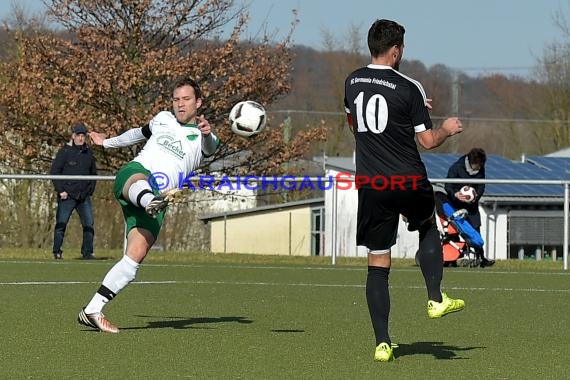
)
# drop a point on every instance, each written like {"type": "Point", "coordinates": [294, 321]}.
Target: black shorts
{"type": "Point", "coordinates": [379, 213]}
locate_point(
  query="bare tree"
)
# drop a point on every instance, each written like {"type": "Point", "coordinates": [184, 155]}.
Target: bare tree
{"type": "Point", "coordinates": [111, 65]}
{"type": "Point", "coordinates": [554, 73]}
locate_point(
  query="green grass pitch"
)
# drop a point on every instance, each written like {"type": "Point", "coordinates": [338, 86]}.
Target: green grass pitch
{"type": "Point", "coordinates": [233, 318]}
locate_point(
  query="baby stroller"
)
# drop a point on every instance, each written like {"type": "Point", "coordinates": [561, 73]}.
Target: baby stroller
{"type": "Point", "coordinates": [459, 239]}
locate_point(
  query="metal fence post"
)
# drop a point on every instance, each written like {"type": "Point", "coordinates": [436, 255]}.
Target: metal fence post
{"type": "Point", "coordinates": [565, 248]}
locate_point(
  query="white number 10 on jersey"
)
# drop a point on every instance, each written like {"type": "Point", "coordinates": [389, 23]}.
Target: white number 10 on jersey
{"type": "Point", "coordinates": [376, 113]}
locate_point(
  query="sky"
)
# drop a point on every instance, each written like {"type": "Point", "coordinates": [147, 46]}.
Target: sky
{"type": "Point", "coordinates": [475, 36]}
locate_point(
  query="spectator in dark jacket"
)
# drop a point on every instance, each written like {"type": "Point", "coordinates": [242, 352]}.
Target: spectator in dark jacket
{"type": "Point", "coordinates": [469, 166]}
{"type": "Point", "coordinates": [74, 158]}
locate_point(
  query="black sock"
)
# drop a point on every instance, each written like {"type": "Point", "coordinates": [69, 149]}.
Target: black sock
{"type": "Point", "coordinates": [479, 253]}
{"type": "Point", "coordinates": [378, 298]}
{"type": "Point", "coordinates": [431, 261]}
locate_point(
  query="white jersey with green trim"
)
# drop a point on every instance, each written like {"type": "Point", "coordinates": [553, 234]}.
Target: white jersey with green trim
{"type": "Point", "coordinates": [172, 152]}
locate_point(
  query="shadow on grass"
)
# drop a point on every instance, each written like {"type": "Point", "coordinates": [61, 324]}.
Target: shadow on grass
{"type": "Point", "coordinates": [187, 323]}
{"type": "Point", "coordinates": [94, 258]}
{"type": "Point", "coordinates": [437, 349]}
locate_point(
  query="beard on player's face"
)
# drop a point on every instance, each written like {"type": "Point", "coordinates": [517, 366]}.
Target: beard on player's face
{"type": "Point", "coordinates": [185, 104]}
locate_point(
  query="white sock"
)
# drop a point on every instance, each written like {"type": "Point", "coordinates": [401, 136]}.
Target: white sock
{"type": "Point", "coordinates": [140, 193]}
{"type": "Point", "coordinates": [96, 304]}
{"type": "Point", "coordinates": [118, 277]}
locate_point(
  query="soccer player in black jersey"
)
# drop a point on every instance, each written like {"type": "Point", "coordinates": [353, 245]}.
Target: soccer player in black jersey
{"type": "Point", "coordinates": [386, 110]}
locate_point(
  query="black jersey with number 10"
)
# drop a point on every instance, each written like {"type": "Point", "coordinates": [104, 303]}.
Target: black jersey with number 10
{"type": "Point", "coordinates": [387, 109]}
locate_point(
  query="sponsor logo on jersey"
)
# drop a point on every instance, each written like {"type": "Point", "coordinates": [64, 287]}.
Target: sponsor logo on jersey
{"type": "Point", "coordinates": [171, 145]}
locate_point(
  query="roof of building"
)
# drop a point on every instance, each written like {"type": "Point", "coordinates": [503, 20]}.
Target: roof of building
{"type": "Point", "coordinates": [497, 167]}
{"type": "Point", "coordinates": [560, 153]}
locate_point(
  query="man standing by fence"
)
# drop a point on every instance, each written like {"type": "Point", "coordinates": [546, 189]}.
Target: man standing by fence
{"type": "Point", "coordinates": [74, 158]}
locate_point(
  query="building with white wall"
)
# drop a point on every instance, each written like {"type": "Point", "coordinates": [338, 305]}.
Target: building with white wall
{"type": "Point", "coordinates": [518, 221]}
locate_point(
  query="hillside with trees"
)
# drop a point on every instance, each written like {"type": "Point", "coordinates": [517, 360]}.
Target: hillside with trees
{"type": "Point", "coordinates": [504, 114]}
{"type": "Point", "coordinates": [301, 87]}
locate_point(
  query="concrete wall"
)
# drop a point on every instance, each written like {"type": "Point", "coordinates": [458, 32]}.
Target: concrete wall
{"type": "Point", "coordinates": [343, 220]}
{"type": "Point", "coordinates": [340, 221]}
{"type": "Point", "coordinates": [271, 232]}
{"type": "Point", "coordinates": [494, 230]}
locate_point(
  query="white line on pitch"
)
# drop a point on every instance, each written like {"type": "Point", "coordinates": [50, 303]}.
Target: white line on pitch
{"type": "Point", "coordinates": [292, 267]}
{"type": "Point", "coordinates": [201, 282]}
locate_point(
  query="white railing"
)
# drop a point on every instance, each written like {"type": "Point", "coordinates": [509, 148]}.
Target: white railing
{"type": "Point", "coordinates": [564, 183]}
{"type": "Point", "coordinates": [299, 178]}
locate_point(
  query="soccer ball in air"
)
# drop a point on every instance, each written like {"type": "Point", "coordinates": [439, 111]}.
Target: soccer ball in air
{"type": "Point", "coordinates": [247, 118]}
{"type": "Point", "coordinates": [469, 193]}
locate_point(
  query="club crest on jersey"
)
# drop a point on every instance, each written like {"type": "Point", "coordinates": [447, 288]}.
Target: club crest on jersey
{"type": "Point", "coordinates": [191, 137]}
{"type": "Point", "coordinates": [171, 145]}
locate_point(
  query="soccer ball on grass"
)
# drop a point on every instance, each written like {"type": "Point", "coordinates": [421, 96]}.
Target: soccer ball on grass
{"type": "Point", "coordinates": [247, 118]}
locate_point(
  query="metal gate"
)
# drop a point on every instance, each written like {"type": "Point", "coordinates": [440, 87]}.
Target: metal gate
{"type": "Point", "coordinates": [535, 233]}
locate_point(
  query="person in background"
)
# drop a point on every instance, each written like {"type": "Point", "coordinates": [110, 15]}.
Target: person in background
{"type": "Point", "coordinates": [469, 166]}
{"type": "Point", "coordinates": [74, 158]}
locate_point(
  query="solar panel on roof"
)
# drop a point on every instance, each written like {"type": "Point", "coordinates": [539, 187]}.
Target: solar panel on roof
{"type": "Point", "coordinates": [559, 166]}
{"type": "Point", "coordinates": [497, 167]}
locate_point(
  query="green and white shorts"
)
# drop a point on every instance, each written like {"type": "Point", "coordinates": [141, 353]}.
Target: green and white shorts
{"type": "Point", "coordinates": [135, 216]}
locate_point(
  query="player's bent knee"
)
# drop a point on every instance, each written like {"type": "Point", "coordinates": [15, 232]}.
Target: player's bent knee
{"type": "Point", "coordinates": [430, 251]}
{"type": "Point", "coordinates": [380, 258]}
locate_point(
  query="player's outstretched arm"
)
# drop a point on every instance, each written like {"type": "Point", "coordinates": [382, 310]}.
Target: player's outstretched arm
{"type": "Point", "coordinates": [210, 142]}
{"type": "Point", "coordinates": [128, 138]}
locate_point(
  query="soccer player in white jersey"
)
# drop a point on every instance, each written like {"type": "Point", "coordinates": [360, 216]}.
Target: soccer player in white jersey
{"type": "Point", "coordinates": [386, 111]}
{"type": "Point", "coordinates": [175, 145]}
